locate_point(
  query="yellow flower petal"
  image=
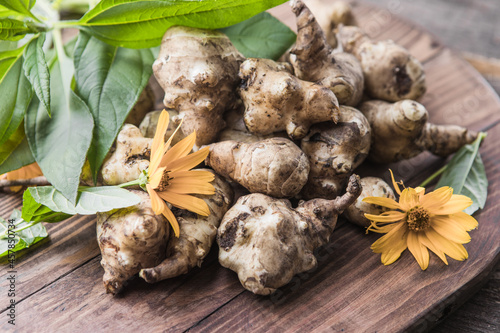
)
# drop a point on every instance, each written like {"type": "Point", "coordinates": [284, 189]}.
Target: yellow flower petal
{"type": "Point", "coordinates": [172, 220]}
{"type": "Point", "coordinates": [381, 201]}
{"type": "Point", "coordinates": [156, 202]}
{"type": "Point", "coordinates": [197, 174]}
{"type": "Point", "coordinates": [457, 203]}
{"type": "Point", "coordinates": [418, 250]}
{"type": "Point", "coordinates": [466, 221]}
{"type": "Point", "coordinates": [190, 185]}
{"type": "Point", "coordinates": [409, 198]}
{"type": "Point", "coordinates": [188, 202]}
{"type": "Point", "coordinates": [159, 140]}
{"type": "Point", "coordinates": [181, 149]}
{"type": "Point", "coordinates": [400, 244]}
{"type": "Point", "coordinates": [454, 250]}
{"type": "Point", "coordinates": [188, 162]}
{"type": "Point", "coordinates": [437, 198]}
{"type": "Point", "coordinates": [424, 239]}
{"type": "Point", "coordinates": [385, 242]}
{"type": "Point", "coordinates": [391, 216]}
{"type": "Point", "coordinates": [394, 184]}
{"type": "Point", "coordinates": [446, 228]}
{"type": "Point", "coordinates": [155, 178]}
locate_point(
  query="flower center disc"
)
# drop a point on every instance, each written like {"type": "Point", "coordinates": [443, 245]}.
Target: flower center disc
{"type": "Point", "coordinates": [164, 181]}
{"type": "Point", "coordinates": [418, 219]}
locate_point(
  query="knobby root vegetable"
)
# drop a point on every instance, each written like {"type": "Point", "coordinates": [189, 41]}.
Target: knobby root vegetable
{"type": "Point", "coordinates": [334, 151]}
{"type": "Point", "coordinates": [197, 234]}
{"type": "Point", "coordinates": [314, 60]}
{"type": "Point", "coordinates": [130, 239]}
{"type": "Point", "coordinates": [144, 104]}
{"type": "Point", "coordinates": [330, 15]}
{"type": "Point", "coordinates": [150, 122]}
{"type": "Point", "coordinates": [275, 100]}
{"type": "Point", "coordinates": [198, 70]}
{"type": "Point", "coordinates": [267, 242]}
{"type": "Point", "coordinates": [401, 131]}
{"type": "Point", "coordinates": [129, 159]}
{"type": "Point", "coordinates": [276, 166]}
{"type": "Point", "coordinates": [372, 187]}
{"type": "Point", "coordinates": [391, 72]}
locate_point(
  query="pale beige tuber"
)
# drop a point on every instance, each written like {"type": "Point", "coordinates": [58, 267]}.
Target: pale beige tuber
{"type": "Point", "coordinates": [197, 233]}
{"type": "Point", "coordinates": [372, 187]}
{"type": "Point", "coordinates": [267, 242]}
{"type": "Point", "coordinates": [275, 100]}
{"type": "Point", "coordinates": [150, 121]}
{"type": "Point", "coordinates": [276, 167]}
{"type": "Point", "coordinates": [198, 70]}
{"type": "Point", "coordinates": [130, 239]}
{"type": "Point", "coordinates": [334, 151]}
{"type": "Point", "coordinates": [400, 131]}
{"type": "Point", "coordinates": [314, 60]}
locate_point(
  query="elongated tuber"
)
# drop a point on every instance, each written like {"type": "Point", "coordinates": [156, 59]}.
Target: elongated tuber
{"type": "Point", "coordinates": [198, 70]}
{"type": "Point", "coordinates": [129, 159]}
{"type": "Point", "coordinates": [267, 242]}
{"type": "Point", "coordinates": [391, 72]}
{"type": "Point", "coordinates": [314, 60]}
{"type": "Point", "coordinates": [372, 187]}
{"type": "Point", "coordinates": [276, 167]}
{"type": "Point", "coordinates": [130, 239]}
{"type": "Point", "coordinates": [334, 151]}
{"type": "Point", "coordinates": [275, 100]}
{"type": "Point", "coordinates": [197, 233]}
{"type": "Point", "coordinates": [401, 131]}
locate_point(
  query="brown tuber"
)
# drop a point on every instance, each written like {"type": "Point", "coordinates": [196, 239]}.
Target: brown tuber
{"type": "Point", "coordinates": [391, 72]}
{"type": "Point", "coordinates": [372, 187]}
{"type": "Point", "coordinates": [197, 233]}
{"type": "Point", "coordinates": [198, 70]}
{"type": "Point", "coordinates": [276, 167]}
{"type": "Point", "coordinates": [334, 151]}
{"type": "Point", "coordinates": [267, 242]}
{"type": "Point", "coordinates": [314, 60]}
{"type": "Point", "coordinates": [275, 100]}
{"type": "Point", "coordinates": [400, 131]}
{"type": "Point", "coordinates": [130, 239]}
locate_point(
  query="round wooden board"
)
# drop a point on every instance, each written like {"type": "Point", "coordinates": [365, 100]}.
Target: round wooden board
{"type": "Point", "coordinates": [59, 286]}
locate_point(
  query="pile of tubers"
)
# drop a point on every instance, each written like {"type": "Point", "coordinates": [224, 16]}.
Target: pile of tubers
{"type": "Point", "coordinates": [285, 139]}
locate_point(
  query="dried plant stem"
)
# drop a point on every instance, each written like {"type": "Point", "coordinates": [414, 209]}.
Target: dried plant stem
{"type": "Point", "coordinates": [38, 181]}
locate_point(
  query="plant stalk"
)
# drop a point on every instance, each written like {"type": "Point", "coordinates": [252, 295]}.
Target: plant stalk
{"type": "Point", "coordinates": [37, 181]}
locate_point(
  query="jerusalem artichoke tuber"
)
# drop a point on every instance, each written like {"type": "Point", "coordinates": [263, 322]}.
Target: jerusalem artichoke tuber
{"type": "Point", "coordinates": [372, 187]}
{"type": "Point", "coordinates": [315, 61]}
{"type": "Point", "coordinates": [334, 151]}
{"type": "Point", "coordinates": [275, 100]}
{"type": "Point", "coordinates": [198, 70]}
{"type": "Point", "coordinates": [150, 122]}
{"type": "Point", "coordinates": [401, 131]}
{"type": "Point", "coordinates": [276, 167]}
{"type": "Point", "coordinates": [143, 105]}
{"type": "Point", "coordinates": [130, 239]}
{"type": "Point", "coordinates": [197, 234]}
{"type": "Point", "coordinates": [267, 242]}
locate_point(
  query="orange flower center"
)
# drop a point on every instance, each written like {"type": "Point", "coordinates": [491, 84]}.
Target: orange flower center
{"type": "Point", "coordinates": [164, 181]}
{"type": "Point", "coordinates": [418, 219]}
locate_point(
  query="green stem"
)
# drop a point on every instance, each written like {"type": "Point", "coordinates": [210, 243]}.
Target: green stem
{"type": "Point", "coordinates": [4, 234]}
{"type": "Point", "coordinates": [132, 183]}
{"type": "Point", "coordinates": [434, 175]}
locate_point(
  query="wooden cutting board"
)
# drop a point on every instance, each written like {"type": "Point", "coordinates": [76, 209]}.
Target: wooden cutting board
{"type": "Point", "coordinates": [59, 286]}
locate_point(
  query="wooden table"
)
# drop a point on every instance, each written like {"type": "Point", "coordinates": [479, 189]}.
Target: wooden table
{"type": "Point", "coordinates": [60, 286]}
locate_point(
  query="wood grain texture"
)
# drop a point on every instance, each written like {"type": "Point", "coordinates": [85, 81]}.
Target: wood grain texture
{"type": "Point", "coordinates": [61, 286]}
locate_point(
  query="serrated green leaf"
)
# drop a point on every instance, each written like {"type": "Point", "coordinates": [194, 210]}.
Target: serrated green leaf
{"type": "Point", "coordinates": [465, 173]}
{"type": "Point", "coordinates": [16, 94]}
{"type": "Point", "coordinates": [36, 212]}
{"type": "Point", "coordinates": [11, 29]}
{"type": "Point", "coordinates": [20, 6]}
{"type": "Point", "coordinates": [37, 71]}
{"type": "Point", "coordinates": [11, 144]}
{"type": "Point", "coordinates": [59, 144]}
{"type": "Point", "coordinates": [262, 36]}
{"type": "Point", "coordinates": [110, 80]}
{"type": "Point", "coordinates": [142, 23]}
{"type": "Point", "coordinates": [90, 199]}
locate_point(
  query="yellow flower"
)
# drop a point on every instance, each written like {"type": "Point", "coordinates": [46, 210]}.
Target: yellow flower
{"type": "Point", "coordinates": [420, 221]}
{"type": "Point", "coordinates": [170, 177]}
{"type": "Point", "coordinates": [26, 172]}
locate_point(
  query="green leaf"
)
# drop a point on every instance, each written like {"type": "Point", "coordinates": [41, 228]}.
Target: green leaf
{"type": "Point", "coordinates": [16, 94]}
{"type": "Point", "coordinates": [262, 36]}
{"type": "Point", "coordinates": [11, 144]}
{"type": "Point", "coordinates": [6, 12]}
{"type": "Point", "coordinates": [36, 212]}
{"type": "Point", "coordinates": [20, 6]}
{"type": "Point", "coordinates": [142, 23]}
{"type": "Point", "coordinates": [11, 29]}
{"type": "Point", "coordinates": [37, 71]}
{"type": "Point", "coordinates": [20, 157]}
{"type": "Point", "coordinates": [110, 80]}
{"type": "Point", "coordinates": [15, 241]}
{"type": "Point", "coordinates": [91, 200]}
{"type": "Point", "coordinates": [59, 144]}
{"type": "Point", "coordinates": [465, 173]}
